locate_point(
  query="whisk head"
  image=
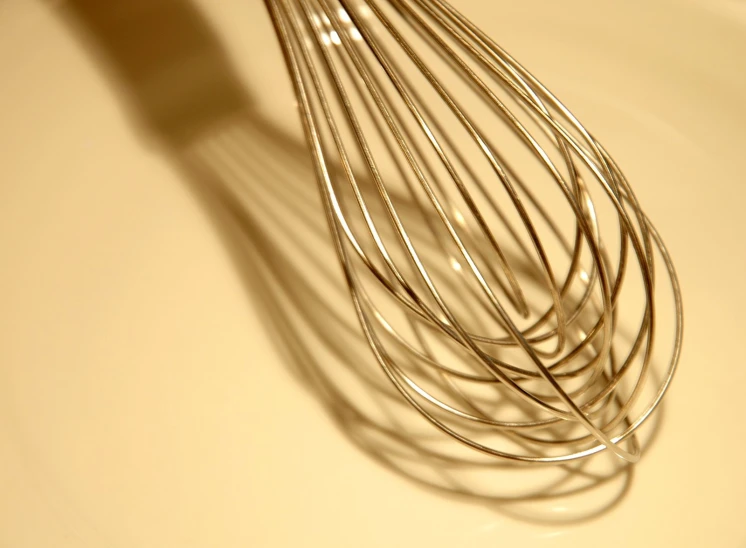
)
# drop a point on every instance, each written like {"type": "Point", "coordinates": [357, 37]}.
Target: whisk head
{"type": "Point", "coordinates": [500, 265]}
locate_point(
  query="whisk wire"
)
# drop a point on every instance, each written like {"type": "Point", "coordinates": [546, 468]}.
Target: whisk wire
{"type": "Point", "coordinates": [346, 78]}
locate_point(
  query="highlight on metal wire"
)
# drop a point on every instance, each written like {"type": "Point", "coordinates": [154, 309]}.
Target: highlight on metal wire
{"type": "Point", "coordinates": [515, 300]}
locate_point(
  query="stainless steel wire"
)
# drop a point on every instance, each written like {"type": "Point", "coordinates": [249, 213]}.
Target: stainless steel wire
{"type": "Point", "coordinates": [494, 301]}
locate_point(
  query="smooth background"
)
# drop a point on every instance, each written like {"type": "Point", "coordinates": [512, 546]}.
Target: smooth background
{"type": "Point", "coordinates": [142, 403]}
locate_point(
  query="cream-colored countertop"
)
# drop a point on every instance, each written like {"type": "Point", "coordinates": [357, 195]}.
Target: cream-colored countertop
{"type": "Point", "coordinates": [144, 398]}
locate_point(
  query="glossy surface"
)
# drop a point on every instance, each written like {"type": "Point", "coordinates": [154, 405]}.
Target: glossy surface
{"type": "Point", "coordinates": [147, 400]}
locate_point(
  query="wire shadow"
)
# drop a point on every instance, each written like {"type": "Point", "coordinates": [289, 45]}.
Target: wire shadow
{"type": "Point", "coordinates": [171, 71]}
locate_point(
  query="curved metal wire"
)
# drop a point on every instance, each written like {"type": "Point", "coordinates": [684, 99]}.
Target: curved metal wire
{"type": "Point", "coordinates": [498, 314]}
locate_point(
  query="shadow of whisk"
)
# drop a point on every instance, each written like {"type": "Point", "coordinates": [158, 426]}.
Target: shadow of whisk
{"type": "Point", "coordinates": [259, 188]}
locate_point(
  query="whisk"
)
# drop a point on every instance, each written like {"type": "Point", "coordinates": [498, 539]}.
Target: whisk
{"type": "Point", "coordinates": [493, 300]}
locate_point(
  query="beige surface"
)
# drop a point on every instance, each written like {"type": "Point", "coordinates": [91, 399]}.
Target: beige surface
{"type": "Point", "coordinates": [143, 402]}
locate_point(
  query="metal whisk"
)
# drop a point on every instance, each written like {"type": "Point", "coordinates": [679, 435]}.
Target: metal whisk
{"type": "Point", "coordinates": [485, 235]}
